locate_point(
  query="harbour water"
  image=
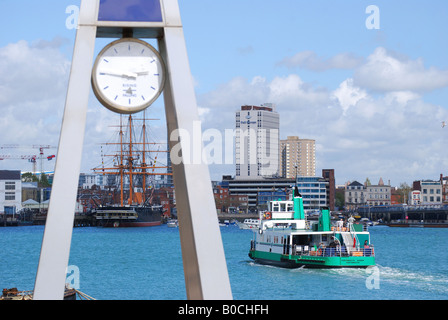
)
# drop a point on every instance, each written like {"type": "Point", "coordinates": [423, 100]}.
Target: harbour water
{"type": "Point", "coordinates": [146, 263]}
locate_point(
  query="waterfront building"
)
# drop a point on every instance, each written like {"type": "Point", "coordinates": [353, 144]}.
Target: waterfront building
{"type": "Point", "coordinates": [378, 195]}
{"type": "Point", "coordinates": [314, 191]}
{"type": "Point", "coordinates": [354, 195]}
{"type": "Point", "coordinates": [398, 196]}
{"type": "Point", "coordinates": [221, 196]}
{"type": "Point", "coordinates": [30, 190]}
{"type": "Point", "coordinates": [297, 157]}
{"type": "Point", "coordinates": [10, 191]}
{"type": "Point", "coordinates": [444, 182]}
{"type": "Point", "coordinates": [431, 191]}
{"type": "Point", "coordinates": [415, 197]}
{"type": "Point", "coordinates": [226, 202]}
{"type": "Point", "coordinates": [255, 189]}
{"type": "Point", "coordinates": [89, 199]}
{"type": "Point", "coordinates": [238, 203]}
{"type": "Point", "coordinates": [328, 175]}
{"type": "Point", "coordinates": [87, 181]}
{"type": "Point", "coordinates": [257, 142]}
{"type": "Point", "coordinates": [357, 194]}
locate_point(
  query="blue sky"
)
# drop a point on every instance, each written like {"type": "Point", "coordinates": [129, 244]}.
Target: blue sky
{"type": "Point", "coordinates": [372, 99]}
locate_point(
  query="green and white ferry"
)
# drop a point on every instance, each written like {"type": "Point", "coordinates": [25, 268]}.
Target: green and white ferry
{"type": "Point", "coordinates": [287, 239]}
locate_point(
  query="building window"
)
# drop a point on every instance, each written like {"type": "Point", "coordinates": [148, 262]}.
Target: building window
{"type": "Point", "coordinates": [10, 185]}
{"type": "Point", "coordinates": [10, 196]}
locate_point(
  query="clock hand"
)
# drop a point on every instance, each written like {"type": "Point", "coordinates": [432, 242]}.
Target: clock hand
{"type": "Point", "coordinates": [119, 73]}
{"type": "Point", "coordinates": [142, 73]}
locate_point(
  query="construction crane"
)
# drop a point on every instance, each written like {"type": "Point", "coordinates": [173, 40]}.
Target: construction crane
{"type": "Point", "coordinates": [30, 158]}
{"type": "Point", "coordinates": [34, 146]}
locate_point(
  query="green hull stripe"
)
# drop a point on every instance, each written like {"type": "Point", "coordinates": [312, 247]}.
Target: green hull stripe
{"type": "Point", "coordinates": [314, 260]}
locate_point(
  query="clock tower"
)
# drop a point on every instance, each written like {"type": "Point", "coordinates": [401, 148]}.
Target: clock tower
{"type": "Point", "coordinates": [126, 77]}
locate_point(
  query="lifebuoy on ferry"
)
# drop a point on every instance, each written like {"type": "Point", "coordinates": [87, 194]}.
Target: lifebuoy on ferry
{"type": "Point", "coordinates": [116, 224]}
{"type": "Point", "coordinates": [319, 252]}
{"type": "Point", "coordinates": [268, 215]}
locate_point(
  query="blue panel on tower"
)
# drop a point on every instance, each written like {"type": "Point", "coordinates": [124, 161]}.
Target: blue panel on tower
{"type": "Point", "coordinates": [130, 10]}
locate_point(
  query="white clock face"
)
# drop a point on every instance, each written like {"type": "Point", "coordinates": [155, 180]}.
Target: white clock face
{"type": "Point", "coordinates": [128, 75]}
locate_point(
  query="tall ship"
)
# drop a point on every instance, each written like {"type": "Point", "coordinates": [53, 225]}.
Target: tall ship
{"type": "Point", "coordinates": [285, 238]}
{"type": "Point", "coordinates": [130, 169]}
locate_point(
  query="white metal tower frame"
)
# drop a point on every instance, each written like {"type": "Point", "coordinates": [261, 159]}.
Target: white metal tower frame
{"type": "Point", "coordinates": [205, 269]}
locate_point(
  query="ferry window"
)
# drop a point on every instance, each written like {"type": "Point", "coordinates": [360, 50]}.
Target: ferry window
{"type": "Point", "coordinates": [301, 240]}
{"type": "Point", "coordinates": [290, 207]}
{"type": "Point", "coordinates": [283, 207]}
{"type": "Point", "coordinates": [275, 207]}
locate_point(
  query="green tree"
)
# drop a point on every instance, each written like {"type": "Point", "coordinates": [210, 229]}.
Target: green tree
{"type": "Point", "coordinates": [44, 181]}
{"type": "Point", "coordinates": [403, 192]}
{"type": "Point", "coordinates": [339, 200]}
{"type": "Point", "coordinates": [29, 177]}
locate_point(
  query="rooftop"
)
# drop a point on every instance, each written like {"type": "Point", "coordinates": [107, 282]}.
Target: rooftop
{"type": "Point", "coordinates": [10, 174]}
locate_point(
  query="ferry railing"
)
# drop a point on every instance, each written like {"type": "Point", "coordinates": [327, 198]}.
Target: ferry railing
{"type": "Point", "coordinates": [338, 251]}
{"type": "Point", "coordinates": [252, 245]}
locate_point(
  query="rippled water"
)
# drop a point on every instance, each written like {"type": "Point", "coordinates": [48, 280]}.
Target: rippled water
{"type": "Point", "coordinates": [146, 263]}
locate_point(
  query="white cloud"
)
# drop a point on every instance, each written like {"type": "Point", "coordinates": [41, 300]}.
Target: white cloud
{"type": "Point", "coordinates": [311, 61]}
{"type": "Point", "coordinates": [31, 73]}
{"type": "Point", "coordinates": [33, 79]}
{"type": "Point", "coordinates": [33, 83]}
{"type": "Point", "coordinates": [392, 133]}
{"type": "Point", "coordinates": [292, 89]}
{"type": "Point", "coordinates": [348, 95]}
{"type": "Point", "coordinates": [358, 134]}
{"type": "Point", "coordinates": [387, 71]}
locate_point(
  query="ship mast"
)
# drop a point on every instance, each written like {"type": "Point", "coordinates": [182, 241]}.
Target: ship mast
{"type": "Point", "coordinates": [144, 157]}
{"type": "Point", "coordinates": [121, 162]}
{"type": "Point", "coordinates": [130, 163]}
{"type": "Point", "coordinates": [126, 153]}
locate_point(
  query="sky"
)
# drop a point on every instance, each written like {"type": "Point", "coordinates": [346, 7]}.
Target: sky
{"type": "Point", "coordinates": [370, 87]}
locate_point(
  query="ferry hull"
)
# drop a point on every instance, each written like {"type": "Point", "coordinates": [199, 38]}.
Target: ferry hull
{"type": "Point", "coordinates": [291, 262]}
